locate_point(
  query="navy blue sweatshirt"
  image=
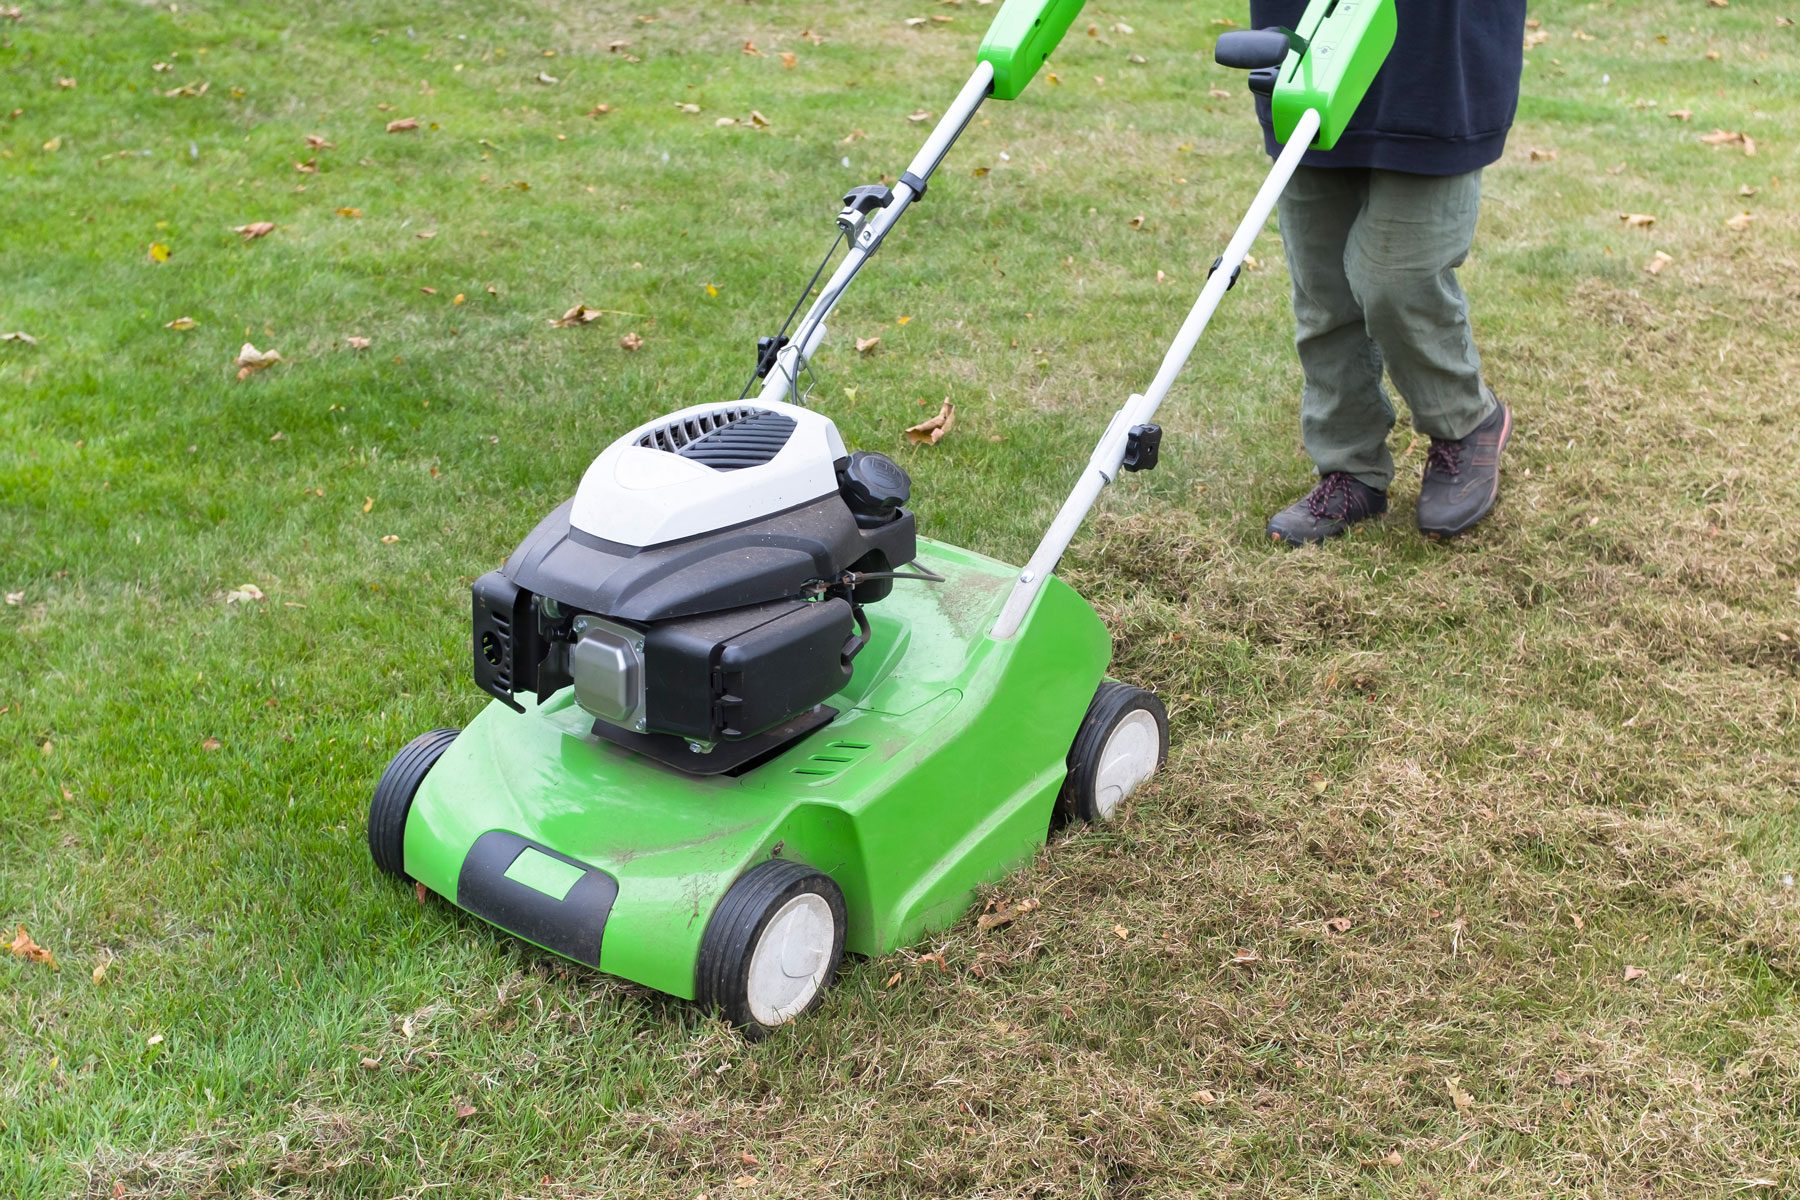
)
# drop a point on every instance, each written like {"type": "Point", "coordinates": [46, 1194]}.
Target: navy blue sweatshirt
{"type": "Point", "coordinates": [1443, 103]}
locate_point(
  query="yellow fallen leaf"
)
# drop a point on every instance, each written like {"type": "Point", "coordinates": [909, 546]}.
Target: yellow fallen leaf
{"type": "Point", "coordinates": [99, 973]}
{"type": "Point", "coordinates": [159, 252]}
{"type": "Point", "coordinates": [712, 289]}
{"type": "Point", "coordinates": [353, 214]}
{"type": "Point", "coordinates": [932, 431]}
{"type": "Point", "coordinates": [368, 503]}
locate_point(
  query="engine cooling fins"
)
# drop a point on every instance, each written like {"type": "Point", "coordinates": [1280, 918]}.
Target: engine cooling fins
{"type": "Point", "coordinates": [729, 440]}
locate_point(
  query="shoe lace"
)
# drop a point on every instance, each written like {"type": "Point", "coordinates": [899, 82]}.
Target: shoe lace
{"type": "Point", "coordinates": [1330, 501]}
{"type": "Point", "coordinates": [1444, 458]}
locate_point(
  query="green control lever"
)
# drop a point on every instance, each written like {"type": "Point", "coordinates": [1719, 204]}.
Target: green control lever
{"type": "Point", "coordinates": [1325, 66]}
{"type": "Point", "coordinates": [1021, 38]}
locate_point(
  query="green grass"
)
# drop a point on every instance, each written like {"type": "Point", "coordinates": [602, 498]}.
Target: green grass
{"type": "Point", "coordinates": [1517, 764]}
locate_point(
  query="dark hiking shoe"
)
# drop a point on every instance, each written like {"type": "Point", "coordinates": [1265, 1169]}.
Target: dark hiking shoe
{"type": "Point", "coordinates": [1330, 509]}
{"type": "Point", "coordinates": [1462, 479]}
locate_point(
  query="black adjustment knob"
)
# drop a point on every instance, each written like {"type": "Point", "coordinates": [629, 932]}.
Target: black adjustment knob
{"type": "Point", "coordinates": [874, 486]}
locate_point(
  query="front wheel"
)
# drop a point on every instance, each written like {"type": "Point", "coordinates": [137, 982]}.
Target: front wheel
{"type": "Point", "coordinates": [394, 796]}
{"type": "Point", "coordinates": [1122, 741]}
{"type": "Point", "coordinates": [773, 945]}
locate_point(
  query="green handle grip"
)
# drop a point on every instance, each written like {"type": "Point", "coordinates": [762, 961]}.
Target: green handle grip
{"type": "Point", "coordinates": [1021, 38]}
{"type": "Point", "coordinates": [1347, 42]}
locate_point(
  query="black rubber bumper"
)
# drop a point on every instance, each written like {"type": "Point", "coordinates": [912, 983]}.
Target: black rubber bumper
{"type": "Point", "coordinates": [572, 926]}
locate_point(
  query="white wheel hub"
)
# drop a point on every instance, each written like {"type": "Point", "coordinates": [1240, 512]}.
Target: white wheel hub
{"type": "Point", "coordinates": [788, 966]}
{"type": "Point", "coordinates": [1131, 755]}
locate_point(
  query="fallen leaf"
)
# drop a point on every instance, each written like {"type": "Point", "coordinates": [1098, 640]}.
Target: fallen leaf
{"type": "Point", "coordinates": [1656, 264]}
{"type": "Point", "coordinates": [254, 230]}
{"type": "Point", "coordinates": [1681, 114]}
{"type": "Point", "coordinates": [244, 592]}
{"type": "Point", "coordinates": [758, 120]}
{"type": "Point", "coordinates": [1633, 974]}
{"type": "Point", "coordinates": [744, 1181]}
{"type": "Point", "coordinates": [465, 1111]}
{"type": "Point", "coordinates": [429, 291]}
{"type": "Point", "coordinates": [1543, 155]}
{"type": "Point", "coordinates": [316, 142]}
{"type": "Point", "coordinates": [369, 1064]}
{"type": "Point", "coordinates": [458, 298]}
{"type": "Point", "coordinates": [1637, 220]}
{"type": "Point", "coordinates": [712, 290]}
{"type": "Point", "coordinates": [1218, 93]}
{"type": "Point", "coordinates": [788, 60]}
{"type": "Point", "coordinates": [354, 214]}
{"type": "Point", "coordinates": [1242, 957]}
{"type": "Point", "coordinates": [631, 341]}
{"type": "Point", "coordinates": [420, 892]}
{"type": "Point", "coordinates": [903, 320]}
{"type": "Point", "coordinates": [1461, 1099]}
{"type": "Point", "coordinates": [866, 345]}
{"type": "Point", "coordinates": [919, 117]}
{"type": "Point", "coordinates": [931, 432]}
{"type": "Point", "coordinates": [544, 77]}
{"type": "Point", "coordinates": [599, 110]}
{"type": "Point", "coordinates": [388, 539]}
{"type": "Point", "coordinates": [1206, 1097]}
{"type": "Point", "coordinates": [1562, 1079]}
{"type": "Point", "coordinates": [581, 314]}
{"type": "Point", "coordinates": [689, 109]}
{"type": "Point", "coordinates": [1731, 137]}
{"type": "Point", "coordinates": [403, 125]}
{"type": "Point", "coordinates": [99, 973]}
{"type": "Point", "coordinates": [188, 90]}
{"type": "Point", "coordinates": [1740, 222]}
{"type": "Point", "coordinates": [18, 335]}
{"type": "Point", "coordinates": [750, 49]}
{"type": "Point", "coordinates": [23, 947]}
{"type": "Point", "coordinates": [309, 167]}
{"type": "Point", "coordinates": [159, 252]}
{"type": "Point", "coordinates": [368, 503]}
{"type": "Point", "coordinates": [251, 360]}
{"type": "Point", "coordinates": [13, 600]}
{"type": "Point", "coordinates": [1137, 222]}
{"type": "Point", "coordinates": [154, 1039]}
{"type": "Point", "coordinates": [1747, 190]}
{"type": "Point", "coordinates": [1338, 924]}
{"type": "Point", "coordinates": [357, 343]}
{"type": "Point", "coordinates": [1122, 933]}
{"type": "Point", "coordinates": [211, 744]}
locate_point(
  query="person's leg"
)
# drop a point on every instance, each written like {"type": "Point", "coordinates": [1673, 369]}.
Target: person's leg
{"type": "Point", "coordinates": [1403, 254]}
{"type": "Point", "coordinates": [1345, 414]}
{"type": "Point", "coordinates": [1401, 261]}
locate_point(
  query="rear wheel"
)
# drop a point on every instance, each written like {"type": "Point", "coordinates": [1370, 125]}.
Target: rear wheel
{"type": "Point", "coordinates": [394, 796]}
{"type": "Point", "coordinates": [772, 947]}
{"type": "Point", "coordinates": [1122, 741]}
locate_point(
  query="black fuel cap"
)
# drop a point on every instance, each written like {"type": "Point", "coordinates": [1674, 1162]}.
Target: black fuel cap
{"type": "Point", "coordinates": [875, 485]}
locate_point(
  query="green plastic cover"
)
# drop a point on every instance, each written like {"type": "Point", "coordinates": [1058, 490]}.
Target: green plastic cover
{"type": "Point", "coordinates": [1348, 40]}
{"type": "Point", "coordinates": [1021, 38]}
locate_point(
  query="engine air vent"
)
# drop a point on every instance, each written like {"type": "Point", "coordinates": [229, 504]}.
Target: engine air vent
{"type": "Point", "coordinates": [728, 439]}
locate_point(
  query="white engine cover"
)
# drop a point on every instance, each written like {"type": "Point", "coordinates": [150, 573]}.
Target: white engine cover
{"type": "Point", "coordinates": [643, 496]}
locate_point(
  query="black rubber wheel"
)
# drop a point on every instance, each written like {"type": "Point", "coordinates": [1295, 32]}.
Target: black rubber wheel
{"type": "Point", "coordinates": [794, 915]}
{"type": "Point", "coordinates": [1123, 740]}
{"type": "Point", "coordinates": [394, 795]}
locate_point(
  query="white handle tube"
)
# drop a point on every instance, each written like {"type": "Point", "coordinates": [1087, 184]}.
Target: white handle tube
{"type": "Point", "coordinates": [792, 360]}
{"type": "Point", "coordinates": [1103, 467]}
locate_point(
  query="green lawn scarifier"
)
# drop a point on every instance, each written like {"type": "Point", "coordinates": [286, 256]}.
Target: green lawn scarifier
{"type": "Point", "coordinates": [745, 720]}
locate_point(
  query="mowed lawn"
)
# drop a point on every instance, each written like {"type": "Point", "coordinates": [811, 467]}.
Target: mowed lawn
{"type": "Point", "coordinates": [1472, 873]}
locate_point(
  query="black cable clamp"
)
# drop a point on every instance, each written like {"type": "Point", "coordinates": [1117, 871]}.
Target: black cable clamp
{"type": "Point", "coordinates": [768, 349]}
{"type": "Point", "coordinates": [1219, 262]}
{"type": "Point", "coordinates": [915, 183]}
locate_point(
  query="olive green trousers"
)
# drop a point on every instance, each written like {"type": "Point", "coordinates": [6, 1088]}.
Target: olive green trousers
{"type": "Point", "coordinates": [1373, 255]}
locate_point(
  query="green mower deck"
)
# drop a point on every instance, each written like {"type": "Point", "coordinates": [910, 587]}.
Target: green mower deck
{"type": "Point", "coordinates": [940, 773]}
